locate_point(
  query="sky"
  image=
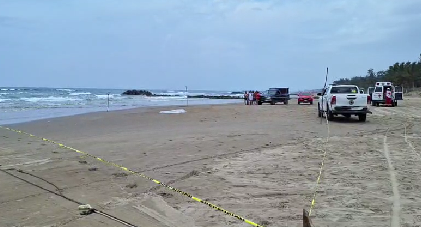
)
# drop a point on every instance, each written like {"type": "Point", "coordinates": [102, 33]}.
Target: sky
{"type": "Point", "coordinates": [206, 44]}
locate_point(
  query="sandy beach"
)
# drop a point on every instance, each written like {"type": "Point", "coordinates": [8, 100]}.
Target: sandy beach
{"type": "Point", "coordinates": [259, 162]}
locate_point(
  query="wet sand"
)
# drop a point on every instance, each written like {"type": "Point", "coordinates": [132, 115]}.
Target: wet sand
{"type": "Point", "coordinates": [259, 162]}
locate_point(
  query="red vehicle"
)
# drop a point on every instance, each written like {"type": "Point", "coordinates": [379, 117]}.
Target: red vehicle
{"type": "Point", "coordinates": [305, 98]}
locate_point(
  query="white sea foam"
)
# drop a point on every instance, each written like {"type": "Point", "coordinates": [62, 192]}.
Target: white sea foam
{"type": "Point", "coordinates": [112, 96]}
{"type": "Point", "coordinates": [64, 89]}
{"type": "Point", "coordinates": [50, 99]}
{"type": "Point", "coordinates": [80, 93]}
{"type": "Point", "coordinates": [4, 100]}
{"type": "Point", "coordinates": [165, 98]}
{"type": "Point", "coordinates": [178, 111]}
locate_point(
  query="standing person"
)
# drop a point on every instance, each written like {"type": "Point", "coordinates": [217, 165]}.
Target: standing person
{"type": "Point", "coordinates": [251, 96]}
{"type": "Point", "coordinates": [245, 98]}
{"type": "Point", "coordinates": [258, 96]}
{"type": "Point", "coordinates": [388, 97]}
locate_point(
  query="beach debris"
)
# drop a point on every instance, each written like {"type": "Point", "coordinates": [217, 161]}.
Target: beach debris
{"type": "Point", "coordinates": [86, 209]}
{"type": "Point", "coordinates": [178, 111]}
{"type": "Point", "coordinates": [83, 162]}
{"type": "Point", "coordinates": [134, 185]}
{"type": "Point", "coordinates": [93, 169]}
{"type": "Point", "coordinates": [165, 194]}
{"type": "Point", "coordinates": [120, 174]}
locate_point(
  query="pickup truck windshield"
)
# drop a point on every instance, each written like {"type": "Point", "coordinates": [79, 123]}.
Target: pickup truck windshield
{"type": "Point", "coordinates": [278, 91]}
{"type": "Point", "coordinates": [344, 90]}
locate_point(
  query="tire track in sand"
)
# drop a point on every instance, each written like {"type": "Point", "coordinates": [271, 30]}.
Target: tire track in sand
{"type": "Point", "coordinates": [395, 222]}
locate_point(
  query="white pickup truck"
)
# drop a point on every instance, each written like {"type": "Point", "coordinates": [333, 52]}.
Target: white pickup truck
{"type": "Point", "coordinates": [343, 100]}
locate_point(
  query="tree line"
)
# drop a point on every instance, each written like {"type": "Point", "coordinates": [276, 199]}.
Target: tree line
{"type": "Point", "coordinates": [406, 74]}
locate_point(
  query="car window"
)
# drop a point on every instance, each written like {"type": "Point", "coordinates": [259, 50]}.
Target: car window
{"type": "Point", "coordinates": [343, 90]}
{"type": "Point", "coordinates": [305, 94]}
{"type": "Point", "coordinates": [272, 92]}
{"type": "Point", "coordinates": [378, 89]}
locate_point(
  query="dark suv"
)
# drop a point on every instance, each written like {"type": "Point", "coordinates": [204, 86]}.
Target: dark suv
{"type": "Point", "coordinates": [276, 95]}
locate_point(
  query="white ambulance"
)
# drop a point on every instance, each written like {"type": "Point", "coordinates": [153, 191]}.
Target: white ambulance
{"type": "Point", "coordinates": [379, 94]}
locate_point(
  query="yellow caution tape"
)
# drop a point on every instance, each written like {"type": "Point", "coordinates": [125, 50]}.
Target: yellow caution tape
{"type": "Point", "coordinates": [139, 174]}
{"type": "Point", "coordinates": [319, 177]}
{"type": "Point", "coordinates": [313, 201]}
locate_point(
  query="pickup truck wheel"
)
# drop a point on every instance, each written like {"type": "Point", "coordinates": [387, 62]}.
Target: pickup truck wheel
{"type": "Point", "coordinates": [311, 103]}
{"type": "Point", "coordinates": [362, 117]}
{"type": "Point", "coordinates": [299, 102]}
{"type": "Point", "coordinates": [372, 103]}
{"type": "Point", "coordinates": [272, 103]}
{"type": "Point", "coordinates": [286, 102]}
{"type": "Point", "coordinates": [377, 104]}
{"type": "Point", "coordinates": [259, 103]}
{"type": "Point", "coordinates": [396, 103]}
{"type": "Point", "coordinates": [330, 115]}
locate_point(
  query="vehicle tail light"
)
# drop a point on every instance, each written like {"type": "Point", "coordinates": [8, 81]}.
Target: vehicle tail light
{"type": "Point", "coordinates": [368, 99]}
{"type": "Point", "coordinates": [333, 101]}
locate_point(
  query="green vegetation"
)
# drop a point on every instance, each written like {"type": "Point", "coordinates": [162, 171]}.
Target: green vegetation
{"type": "Point", "coordinates": [406, 74]}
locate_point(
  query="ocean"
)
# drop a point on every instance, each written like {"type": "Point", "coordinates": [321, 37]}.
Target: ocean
{"type": "Point", "coordinates": [18, 105]}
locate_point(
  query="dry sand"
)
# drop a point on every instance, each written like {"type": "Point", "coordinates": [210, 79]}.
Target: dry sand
{"type": "Point", "coordinates": [260, 162]}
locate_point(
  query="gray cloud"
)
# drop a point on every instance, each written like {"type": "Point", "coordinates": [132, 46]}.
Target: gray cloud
{"type": "Point", "coordinates": [203, 44]}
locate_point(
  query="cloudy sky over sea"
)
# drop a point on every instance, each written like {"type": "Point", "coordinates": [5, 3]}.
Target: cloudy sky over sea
{"type": "Point", "coordinates": [208, 44]}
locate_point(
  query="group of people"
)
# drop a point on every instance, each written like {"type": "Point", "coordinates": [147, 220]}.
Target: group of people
{"type": "Point", "coordinates": [251, 97]}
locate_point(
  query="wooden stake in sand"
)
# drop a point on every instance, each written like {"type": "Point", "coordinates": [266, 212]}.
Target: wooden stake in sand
{"type": "Point", "coordinates": [306, 219]}
{"type": "Point", "coordinates": [187, 97]}
{"type": "Point", "coordinates": [108, 102]}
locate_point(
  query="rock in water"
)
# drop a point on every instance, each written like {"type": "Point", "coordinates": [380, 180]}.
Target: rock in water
{"type": "Point", "coordinates": [138, 92]}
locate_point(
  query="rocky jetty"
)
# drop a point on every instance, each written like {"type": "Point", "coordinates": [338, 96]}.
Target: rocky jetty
{"type": "Point", "coordinates": [138, 92]}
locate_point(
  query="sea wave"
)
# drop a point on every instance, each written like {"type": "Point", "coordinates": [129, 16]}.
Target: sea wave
{"type": "Point", "coordinates": [65, 89]}
{"type": "Point", "coordinates": [4, 100]}
{"type": "Point", "coordinates": [80, 93]}
{"type": "Point", "coordinates": [164, 98]}
{"type": "Point", "coordinates": [112, 96]}
{"type": "Point", "coordinates": [50, 99]}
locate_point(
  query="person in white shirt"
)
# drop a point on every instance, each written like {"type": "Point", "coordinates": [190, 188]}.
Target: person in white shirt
{"type": "Point", "coordinates": [251, 97]}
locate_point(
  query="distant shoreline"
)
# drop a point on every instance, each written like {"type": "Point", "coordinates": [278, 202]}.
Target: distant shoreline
{"type": "Point", "coordinates": [147, 93]}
